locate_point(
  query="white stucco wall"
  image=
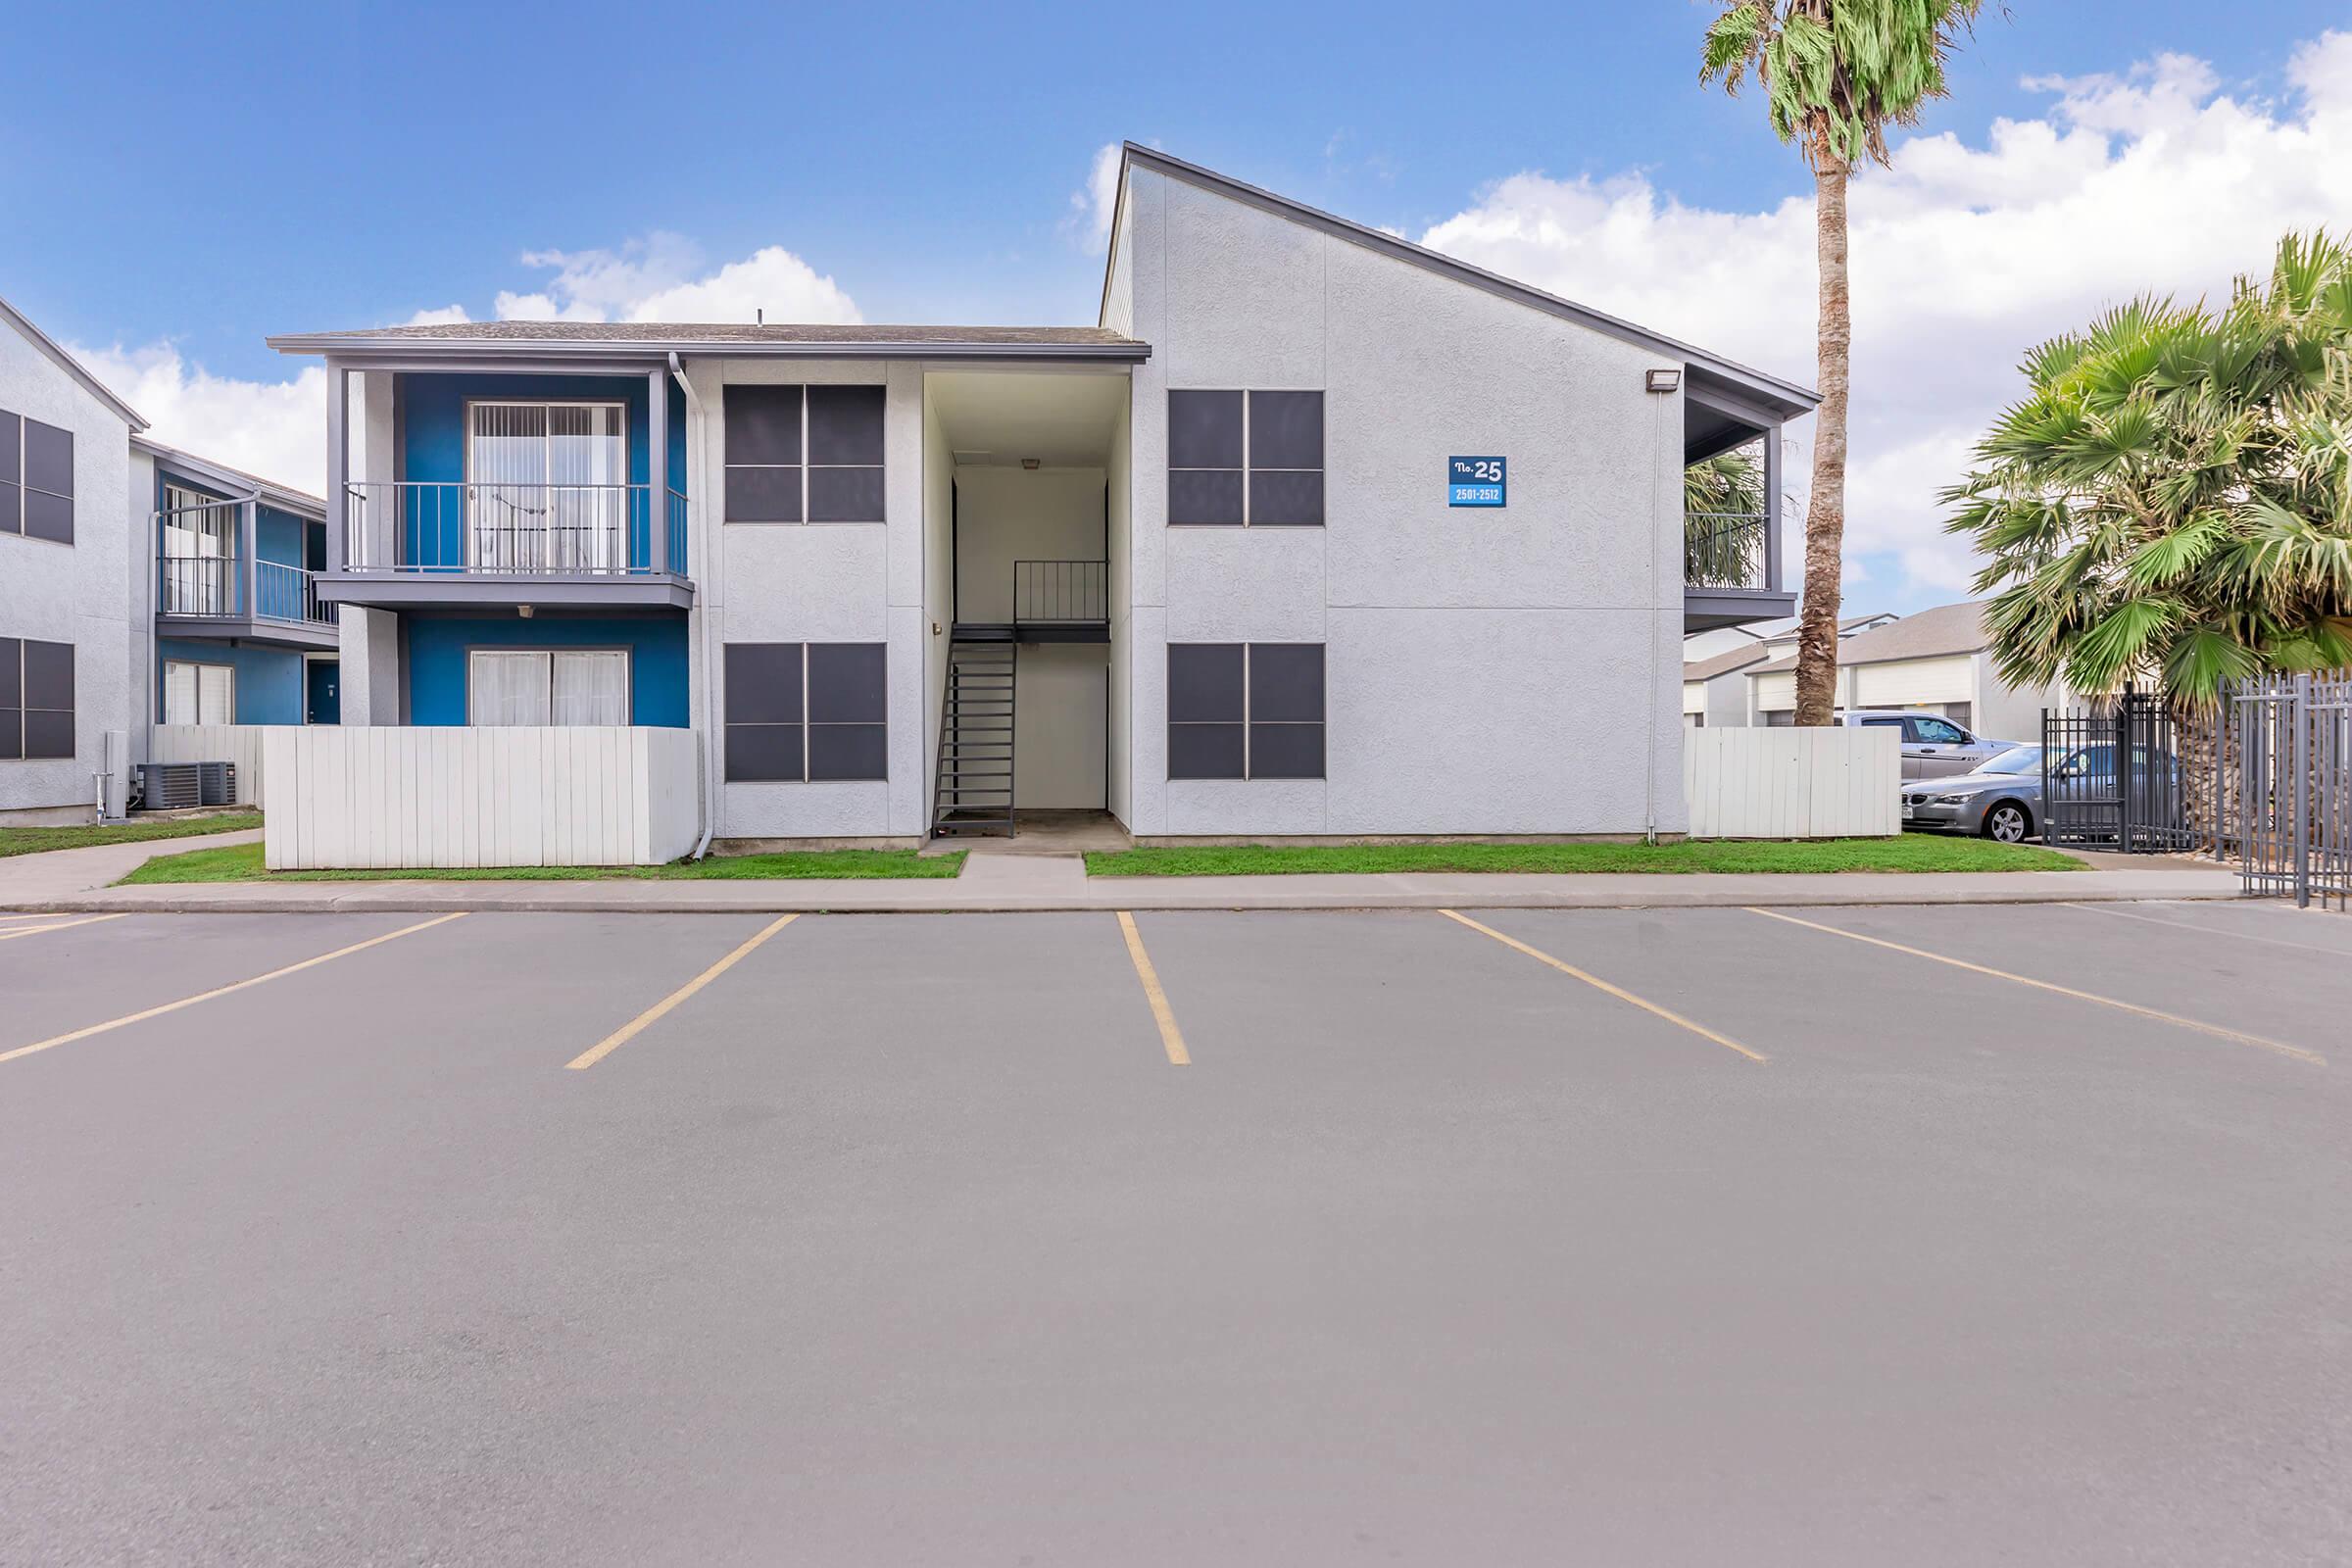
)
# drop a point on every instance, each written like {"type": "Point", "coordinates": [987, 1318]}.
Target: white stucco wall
{"type": "Point", "coordinates": [826, 582]}
{"type": "Point", "coordinates": [79, 593]}
{"type": "Point", "coordinates": [1006, 514]}
{"type": "Point", "coordinates": [1505, 671]}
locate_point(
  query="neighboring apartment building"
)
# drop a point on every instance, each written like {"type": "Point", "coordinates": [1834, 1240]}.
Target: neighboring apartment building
{"type": "Point", "coordinates": [73, 643]}
{"type": "Point", "coordinates": [1937, 661]}
{"type": "Point", "coordinates": [1315, 533]}
{"type": "Point", "coordinates": [1715, 685]}
{"type": "Point", "coordinates": [241, 635]}
{"type": "Point", "coordinates": [139, 586]}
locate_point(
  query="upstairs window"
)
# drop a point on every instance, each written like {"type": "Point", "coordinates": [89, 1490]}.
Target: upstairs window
{"type": "Point", "coordinates": [805, 454]}
{"type": "Point", "coordinates": [36, 699]}
{"type": "Point", "coordinates": [1246, 459]}
{"type": "Point", "coordinates": [1245, 711]}
{"type": "Point", "coordinates": [36, 479]}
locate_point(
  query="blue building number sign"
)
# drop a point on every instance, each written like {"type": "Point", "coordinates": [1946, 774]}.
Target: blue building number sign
{"type": "Point", "coordinates": [1474, 481]}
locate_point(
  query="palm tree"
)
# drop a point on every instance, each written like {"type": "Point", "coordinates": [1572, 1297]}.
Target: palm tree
{"type": "Point", "coordinates": [1723, 514]}
{"type": "Point", "coordinates": [1835, 74]}
{"type": "Point", "coordinates": [2171, 504]}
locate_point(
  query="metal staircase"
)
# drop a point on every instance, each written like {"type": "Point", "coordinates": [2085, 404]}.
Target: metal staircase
{"type": "Point", "coordinates": [975, 790]}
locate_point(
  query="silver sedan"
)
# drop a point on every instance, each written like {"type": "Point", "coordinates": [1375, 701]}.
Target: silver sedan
{"type": "Point", "coordinates": [2001, 800]}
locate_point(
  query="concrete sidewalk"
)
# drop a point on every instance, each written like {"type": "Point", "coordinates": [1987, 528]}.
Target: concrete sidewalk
{"type": "Point", "coordinates": [1010, 883]}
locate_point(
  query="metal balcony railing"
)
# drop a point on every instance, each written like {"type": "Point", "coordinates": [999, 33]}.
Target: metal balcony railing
{"type": "Point", "coordinates": [558, 530]}
{"type": "Point", "coordinates": [212, 587]}
{"type": "Point", "coordinates": [1052, 592]}
{"type": "Point", "coordinates": [1725, 550]}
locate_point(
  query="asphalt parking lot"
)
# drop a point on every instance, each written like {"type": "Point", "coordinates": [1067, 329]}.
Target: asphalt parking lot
{"type": "Point", "coordinates": [1703, 1236]}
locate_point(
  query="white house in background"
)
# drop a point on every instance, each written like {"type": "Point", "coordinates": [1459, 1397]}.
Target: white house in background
{"type": "Point", "coordinates": [73, 640]}
{"type": "Point", "coordinates": [1937, 661]}
{"type": "Point", "coordinates": [1715, 687]}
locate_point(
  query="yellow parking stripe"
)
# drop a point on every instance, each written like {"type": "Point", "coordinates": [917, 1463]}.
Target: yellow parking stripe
{"type": "Point", "coordinates": [1170, 1037]}
{"type": "Point", "coordinates": [635, 1026]}
{"type": "Point", "coordinates": [2235, 1036]}
{"type": "Point", "coordinates": [61, 925]}
{"type": "Point", "coordinates": [1619, 992]}
{"type": "Point", "coordinates": [222, 991]}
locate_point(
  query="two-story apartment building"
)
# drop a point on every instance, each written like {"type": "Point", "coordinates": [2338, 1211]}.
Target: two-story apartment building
{"type": "Point", "coordinates": [1313, 533]}
{"type": "Point", "coordinates": [139, 586]}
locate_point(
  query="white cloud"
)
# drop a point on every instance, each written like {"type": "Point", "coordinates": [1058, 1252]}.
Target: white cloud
{"type": "Point", "coordinates": [276, 429]}
{"type": "Point", "coordinates": [1093, 204]}
{"type": "Point", "coordinates": [1965, 254]}
{"type": "Point", "coordinates": [443, 315]}
{"type": "Point", "coordinates": [661, 278]}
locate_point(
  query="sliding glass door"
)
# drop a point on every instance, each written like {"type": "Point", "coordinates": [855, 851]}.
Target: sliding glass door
{"type": "Point", "coordinates": [547, 487]}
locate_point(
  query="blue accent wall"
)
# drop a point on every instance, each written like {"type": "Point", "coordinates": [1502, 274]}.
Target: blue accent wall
{"type": "Point", "coordinates": [268, 679]}
{"type": "Point", "coordinates": [432, 451]}
{"type": "Point", "coordinates": [437, 644]}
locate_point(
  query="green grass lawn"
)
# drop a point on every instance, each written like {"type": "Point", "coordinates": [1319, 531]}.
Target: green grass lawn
{"type": "Point", "coordinates": [34, 840]}
{"type": "Point", "coordinates": [242, 862]}
{"type": "Point", "coordinates": [1913, 852]}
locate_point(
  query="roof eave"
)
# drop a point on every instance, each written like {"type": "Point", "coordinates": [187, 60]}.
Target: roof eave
{"type": "Point", "coordinates": [277, 496]}
{"type": "Point", "coordinates": [358, 348]}
{"type": "Point", "coordinates": [52, 350]}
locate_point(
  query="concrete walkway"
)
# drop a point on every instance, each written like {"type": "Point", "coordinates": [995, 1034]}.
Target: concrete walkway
{"type": "Point", "coordinates": [1034, 883]}
{"type": "Point", "coordinates": [34, 881]}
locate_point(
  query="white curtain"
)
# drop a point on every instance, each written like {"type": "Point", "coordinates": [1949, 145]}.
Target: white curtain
{"type": "Point", "coordinates": [540, 686]}
{"type": "Point", "coordinates": [199, 694]}
{"type": "Point", "coordinates": [592, 688]}
{"type": "Point", "coordinates": [196, 552]}
{"type": "Point", "coordinates": [506, 687]}
{"type": "Point", "coordinates": [549, 487]}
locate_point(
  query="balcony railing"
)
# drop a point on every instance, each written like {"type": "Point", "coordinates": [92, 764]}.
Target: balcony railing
{"type": "Point", "coordinates": [212, 587]}
{"type": "Point", "coordinates": [539, 530]}
{"type": "Point", "coordinates": [1725, 550]}
{"type": "Point", "coordinates": [1061, 592]}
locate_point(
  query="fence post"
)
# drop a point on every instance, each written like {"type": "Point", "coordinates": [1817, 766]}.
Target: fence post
{"type": "Point", "coordinates": [2302, 764]}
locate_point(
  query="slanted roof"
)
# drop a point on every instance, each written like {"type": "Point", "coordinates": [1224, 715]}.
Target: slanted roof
{"type": "Point", "coordinates": [797, 339]}
{"type": "Point", "coordinates": [1722, 663]}
{"type": "Point", "coordinates": [283, 497]}
{"type": "Point", "coordinates": [1937, 634]}
{"type": "Point", "coordinates": [1785, 398]}
{"type": "Point", "coordinates": [67, 363]}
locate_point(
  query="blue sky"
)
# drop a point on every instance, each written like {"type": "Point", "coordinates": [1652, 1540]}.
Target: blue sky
{"type": "Point", "coordinates": [203, 177]}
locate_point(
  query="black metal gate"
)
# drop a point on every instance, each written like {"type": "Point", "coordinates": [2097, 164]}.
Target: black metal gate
{"type": "Point", "coordinates": [2282, 785]}
{"type": "Point", "coordinates": [2111, 779]}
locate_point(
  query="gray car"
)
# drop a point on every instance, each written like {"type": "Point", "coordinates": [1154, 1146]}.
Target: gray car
{"type": "Point", "coordinates": [2001, 800]}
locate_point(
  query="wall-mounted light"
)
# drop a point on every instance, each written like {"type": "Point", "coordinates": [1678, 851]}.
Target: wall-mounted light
{"type": "Point", "coordinates": [1665, 380]}
{"type": "Point", "coordinates": [1031, 464]}
{"type": "Point", "coordinates": [526, 611]}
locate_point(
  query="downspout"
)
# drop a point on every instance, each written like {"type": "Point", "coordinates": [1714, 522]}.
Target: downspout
{"type": "Point", "coordinates": [1658, 527]}
{"type": "Point", "coordinates": [699, 556]}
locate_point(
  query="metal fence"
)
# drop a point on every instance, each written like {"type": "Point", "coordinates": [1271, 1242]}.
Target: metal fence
{"type": "Point", "coordinates": [2112, 778]}
{"type": "Point", "coordinates": [1725, 549]}
{"type": "Point", "coordinates": [2282, 785]}
{"type": "Point", "coordinates": [1058, 591]}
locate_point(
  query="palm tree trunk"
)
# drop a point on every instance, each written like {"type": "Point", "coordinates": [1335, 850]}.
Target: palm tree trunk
{"type": "Point", "coordinates": [1824, 510]}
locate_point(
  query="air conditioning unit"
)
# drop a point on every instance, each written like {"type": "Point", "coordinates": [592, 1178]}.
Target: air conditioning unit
{"type": "Point", "coordinates": [177, 785]}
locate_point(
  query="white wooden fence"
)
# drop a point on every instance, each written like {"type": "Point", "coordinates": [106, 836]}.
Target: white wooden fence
{"type": "Point", "coordinates": [1783, 783]}
{"type": "Point", "coordinates": [359, 797]}
{"type": "Point", "coordinates": [240, 744]}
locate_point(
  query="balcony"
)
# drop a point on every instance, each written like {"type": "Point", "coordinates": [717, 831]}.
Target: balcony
{"type": "Point", "coordinates": [209, 584]}
{"type": "Point", "coordinates": [1061, 601]}
{"type": "Point", "coordinates": [435, 543]}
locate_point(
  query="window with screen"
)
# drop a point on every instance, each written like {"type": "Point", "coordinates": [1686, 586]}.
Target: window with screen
{"type": "Point", "coordinates": [36, 479]}
{"type": "Point", "coordinates": [36, 699]}
{"type": "Point", "coordinates": [1243, 460]}
{"type": "Point", "coordinates": [805, 454]}
{"type": "Point", "coordinates": [197, 693]}
{"type": "Point", "coordinates": [1245, 710]}
{"type": "Point", "coordinates": [806, 713]}
{"type": "Point", "coordinates": [542, 686]}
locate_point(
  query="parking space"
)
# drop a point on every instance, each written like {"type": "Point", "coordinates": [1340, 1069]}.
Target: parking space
{"type": "Point", "coordinates": [1680, 1234]}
